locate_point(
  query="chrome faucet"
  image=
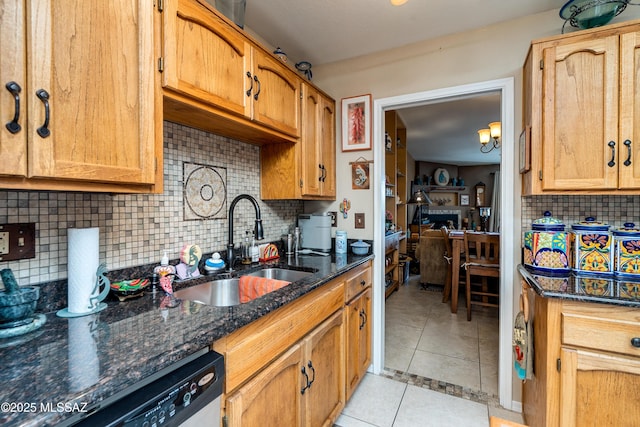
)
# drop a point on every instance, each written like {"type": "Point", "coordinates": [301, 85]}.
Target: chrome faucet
{"type": "Point", "coordinates": [259, 232]}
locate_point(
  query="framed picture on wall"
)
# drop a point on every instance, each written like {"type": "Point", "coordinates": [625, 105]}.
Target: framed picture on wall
{"type": "Point", "coordinates": [525, 150]}
{"type": "Point", "coordinates": [356, 123]}
{"type": "Point", "coordinates": [464, 200]}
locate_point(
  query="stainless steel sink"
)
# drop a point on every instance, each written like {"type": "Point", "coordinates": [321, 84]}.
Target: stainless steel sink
{"type": "Point", "coordinates": [221, 293]}
{"type": "Point", "coordinates": [281, 274]}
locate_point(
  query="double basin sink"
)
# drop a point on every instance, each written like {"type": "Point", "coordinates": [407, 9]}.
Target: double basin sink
{"type": "Point", "coordinates": [226, 292]}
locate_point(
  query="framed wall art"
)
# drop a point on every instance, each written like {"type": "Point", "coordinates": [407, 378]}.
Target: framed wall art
{"type": "Point", "coordinates": [464, 200]}
{"type": "Point", "coordinates": [356, 123]}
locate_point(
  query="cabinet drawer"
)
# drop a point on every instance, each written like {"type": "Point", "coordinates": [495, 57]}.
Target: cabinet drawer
{"type": "Point", "coordinates": [358, 281]}
{"type": "Point", "coordinates": [599, 333]}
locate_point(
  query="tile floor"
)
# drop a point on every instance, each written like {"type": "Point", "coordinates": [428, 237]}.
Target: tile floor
{"type": "Point", "coordinates": [441, 370]}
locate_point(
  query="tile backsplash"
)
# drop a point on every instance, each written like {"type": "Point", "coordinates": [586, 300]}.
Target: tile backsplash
{"type": "Point", "coordinates": [613, 210]}
{"type": "Point", "coordinates": [137, 229]}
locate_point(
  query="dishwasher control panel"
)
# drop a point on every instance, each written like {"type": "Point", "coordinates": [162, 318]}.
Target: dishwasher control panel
{"type": "Point", "coordinates": [169, 400]}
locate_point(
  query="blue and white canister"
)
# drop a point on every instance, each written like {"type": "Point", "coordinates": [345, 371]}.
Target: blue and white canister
{"type": "Point", "coordinates": [341, 242]}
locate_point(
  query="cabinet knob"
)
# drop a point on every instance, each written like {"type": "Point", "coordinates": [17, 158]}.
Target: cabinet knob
{"type": "Point", "coordinates": [635, 341]}
{"type": "Point", "coordinates": [14, 88]}
{"type": "Point", "coordinates": [362, 282]}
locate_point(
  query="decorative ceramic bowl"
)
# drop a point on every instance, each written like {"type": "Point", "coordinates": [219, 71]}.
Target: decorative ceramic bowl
{"type": "Point", "coordinates": [592, 247]}
{"type": "Point", "coordinates": [547, 246]}
{"type": "Point", "coordinates": [627, 250]}
{"type": "Point", "coordinates": [129, 288]}
{"type": "Point", "coordinates": [360, 248]}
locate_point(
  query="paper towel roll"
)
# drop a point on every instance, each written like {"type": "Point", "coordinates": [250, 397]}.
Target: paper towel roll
{"type": "Point", "coordinates": [83, 259]}
{"type": "Point", "coordinates": [84, 366]}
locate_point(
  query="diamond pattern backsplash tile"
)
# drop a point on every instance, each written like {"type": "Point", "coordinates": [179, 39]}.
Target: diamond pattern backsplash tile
{"type": "Point", "coordinates": [137, 229]}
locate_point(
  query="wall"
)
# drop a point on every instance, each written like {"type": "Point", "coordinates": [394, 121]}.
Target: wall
{"type": "Point", "coordinates": [136, 229]}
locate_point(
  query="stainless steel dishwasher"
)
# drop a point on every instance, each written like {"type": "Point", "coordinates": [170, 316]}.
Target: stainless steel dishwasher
{"type": "Point", "coordinates": [186, 396]}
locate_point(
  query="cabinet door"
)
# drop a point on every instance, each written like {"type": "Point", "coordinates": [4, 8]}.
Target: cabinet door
{"type": "Point", "coordinates": [324, 362]}
{"type": "Point", "coordinates": [580, 115]}
{"type": "Point", "coordinates": [273, 397]}
{"type": "Point", "coordinates": [276, 94]}
{"type": "Point", "coordinates": [13, 144]}
{"type": "Point", "coordinates": [629, 167]}
{"type": "Point", "coordinates": [358, 339]}
{"type": "Point", "coordinates": [204, 58]}
{"type": "Point", "coordinates": [310, 144]}
{"type": "Point", "coordinates": [91, 90]}
{"type": "Point", "coordinates": [599, 389]}
{"type": "Point", "coordinates": [328, 146]}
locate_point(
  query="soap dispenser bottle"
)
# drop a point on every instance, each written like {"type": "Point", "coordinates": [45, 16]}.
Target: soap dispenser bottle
{"type": "Point", "coordinates": [255, 252]}
{"type": "Point", "coordinates": [246, 254]}
{"type": "Point", "coordinates": [166, 272]}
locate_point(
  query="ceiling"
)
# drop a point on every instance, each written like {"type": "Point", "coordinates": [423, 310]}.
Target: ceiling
{"type": "Point", "coordinates": [325, 31]}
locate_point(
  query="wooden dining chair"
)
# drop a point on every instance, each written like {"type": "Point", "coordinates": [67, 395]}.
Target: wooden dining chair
{"type": "Point", "coordinates": [483, 260]}
{"type": "Point", "coordinates": [448, 256]}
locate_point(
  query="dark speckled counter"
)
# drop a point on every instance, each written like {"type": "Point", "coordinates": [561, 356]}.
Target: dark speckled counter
{"type": "Point", "coordinates": [587, 288]}
{"type": "Point", "coordinates": [70, 365]}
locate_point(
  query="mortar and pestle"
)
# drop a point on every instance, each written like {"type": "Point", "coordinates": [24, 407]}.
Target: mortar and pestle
{"type": "Point", "coordinates": [16, 304]}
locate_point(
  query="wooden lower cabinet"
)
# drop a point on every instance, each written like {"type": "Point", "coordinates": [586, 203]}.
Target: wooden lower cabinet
{"type": "Point", "coordinates": [358, 339]}
{"type": "Point", "coordinates": [303, 387]}
{"type": "Point", "coordinates": [599, 389]}
{"type": "Point", "coordinates": [586, 368]}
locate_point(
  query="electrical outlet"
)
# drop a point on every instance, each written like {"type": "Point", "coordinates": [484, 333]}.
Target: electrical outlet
{"type": "Point", "coordinates": [359, 218]}
{"type": "Point", "coordinates": [4, 243]}
{"type": "Point", "coordinates": [17, 241]}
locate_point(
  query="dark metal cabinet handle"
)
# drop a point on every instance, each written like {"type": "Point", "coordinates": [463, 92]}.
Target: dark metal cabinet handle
{"type": "Point", "coordinates": [250, 81]}
{"type": "Point", "coordinates": [307, 385]}
{"type": "Point", "coordinates": [13, 126]}
{"type": "Point", "coordinates": [324, 173]}
{"type": "Point", "coordinates": [635, 341]}
{"type": "Point", "coordinates": [612, 162]}
{"type": "Point", "coordinates": [321, 173]}
{"type": "Point", "coordinates": [628, 144]}
{"type": "Point", "coordinates": [313, 371]}
{"type": "Point", "coordinates": [43, 96]}
{"type": "Point", "coordinates": [255, 78]}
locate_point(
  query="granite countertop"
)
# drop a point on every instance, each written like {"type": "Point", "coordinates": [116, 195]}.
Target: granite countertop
{"type": "Point", "coordinates": [69, 365]}
{"type": "Point", "coordinates": [605, 289]}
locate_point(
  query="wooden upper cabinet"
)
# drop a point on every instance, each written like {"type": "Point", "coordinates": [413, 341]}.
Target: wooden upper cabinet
{"type": "Point", "coordinates": [305, 170]}
{"type": "Point", "coordinates": [629, 177]}
{"type": "Point", "coordinates": [217, 79]}
{"type": "Point", "coordinates": [580, 115]}
{"type": "Point", "coordinates": [204, 58]}
{"type": "Point", "coordinates": [275, 94]}
{"type": "Point", "coordinates": [88, 102]}
{"type": "Point", "coordinates": [580, 98]}
{"type": "Point", "coordinates": [13, 76]}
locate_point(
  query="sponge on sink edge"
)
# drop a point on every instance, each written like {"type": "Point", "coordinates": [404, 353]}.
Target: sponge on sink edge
{"type": "Point", "coordinates": [268, 252]}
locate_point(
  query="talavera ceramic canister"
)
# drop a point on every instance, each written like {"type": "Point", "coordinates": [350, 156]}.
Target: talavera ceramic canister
{"type": "Point", "coordinates": [627, 250]}
{"type": "Point", "coordinates": [547, 246]}
{"type": "Point", "coordinates": [592, 247]}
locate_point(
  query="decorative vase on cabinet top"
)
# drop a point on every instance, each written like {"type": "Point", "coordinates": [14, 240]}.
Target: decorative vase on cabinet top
{"type": "Point", "coordinates": [592, 247]}
{"type": "Point", "coordinates": [546, 246]}
{"type": "Point", "coordinates": [627, 250]}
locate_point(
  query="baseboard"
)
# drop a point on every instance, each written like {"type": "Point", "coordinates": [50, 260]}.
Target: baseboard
{"type": "Point", "coordinates": [516, 406]}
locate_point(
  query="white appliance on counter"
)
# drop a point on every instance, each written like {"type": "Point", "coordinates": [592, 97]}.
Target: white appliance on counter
{"type": "Point", "coordinates": [315, 230]}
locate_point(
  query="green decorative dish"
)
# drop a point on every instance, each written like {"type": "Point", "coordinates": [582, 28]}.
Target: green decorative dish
{"type": "Point", "coordinates": [129, 288]}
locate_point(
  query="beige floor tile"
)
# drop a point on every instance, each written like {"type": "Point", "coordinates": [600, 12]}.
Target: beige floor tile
{"type": "Point", "coordinates": [398, 357]}
{"type": "Point", "coordinates": [397, 334]}
{"type": "Point", "coordinates": [462, 347]}
{"type": "Point", "coordinates": [425, 408]}
{"type": "Point", "coordinates": [452, 324]}
{"type": "Point", "coordinates": [453, 370]}
{"type": "Point", "coordinates": [489, 351]}
{"type": "Point", "coordinates": [489, 378]}
{"type": "Point", "coordinates": [347, 421]}
{"type": "Point", "coordinates": [375, 401]}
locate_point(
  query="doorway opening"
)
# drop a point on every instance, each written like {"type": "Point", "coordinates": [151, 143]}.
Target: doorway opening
{"type": "Point", "coordinates": [507, 225]}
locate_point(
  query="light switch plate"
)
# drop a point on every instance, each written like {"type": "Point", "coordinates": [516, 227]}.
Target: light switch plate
{"type": "Point", "coordinates": [17, 241]}
{"type": "Point", "coordinates": [359, 218]}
